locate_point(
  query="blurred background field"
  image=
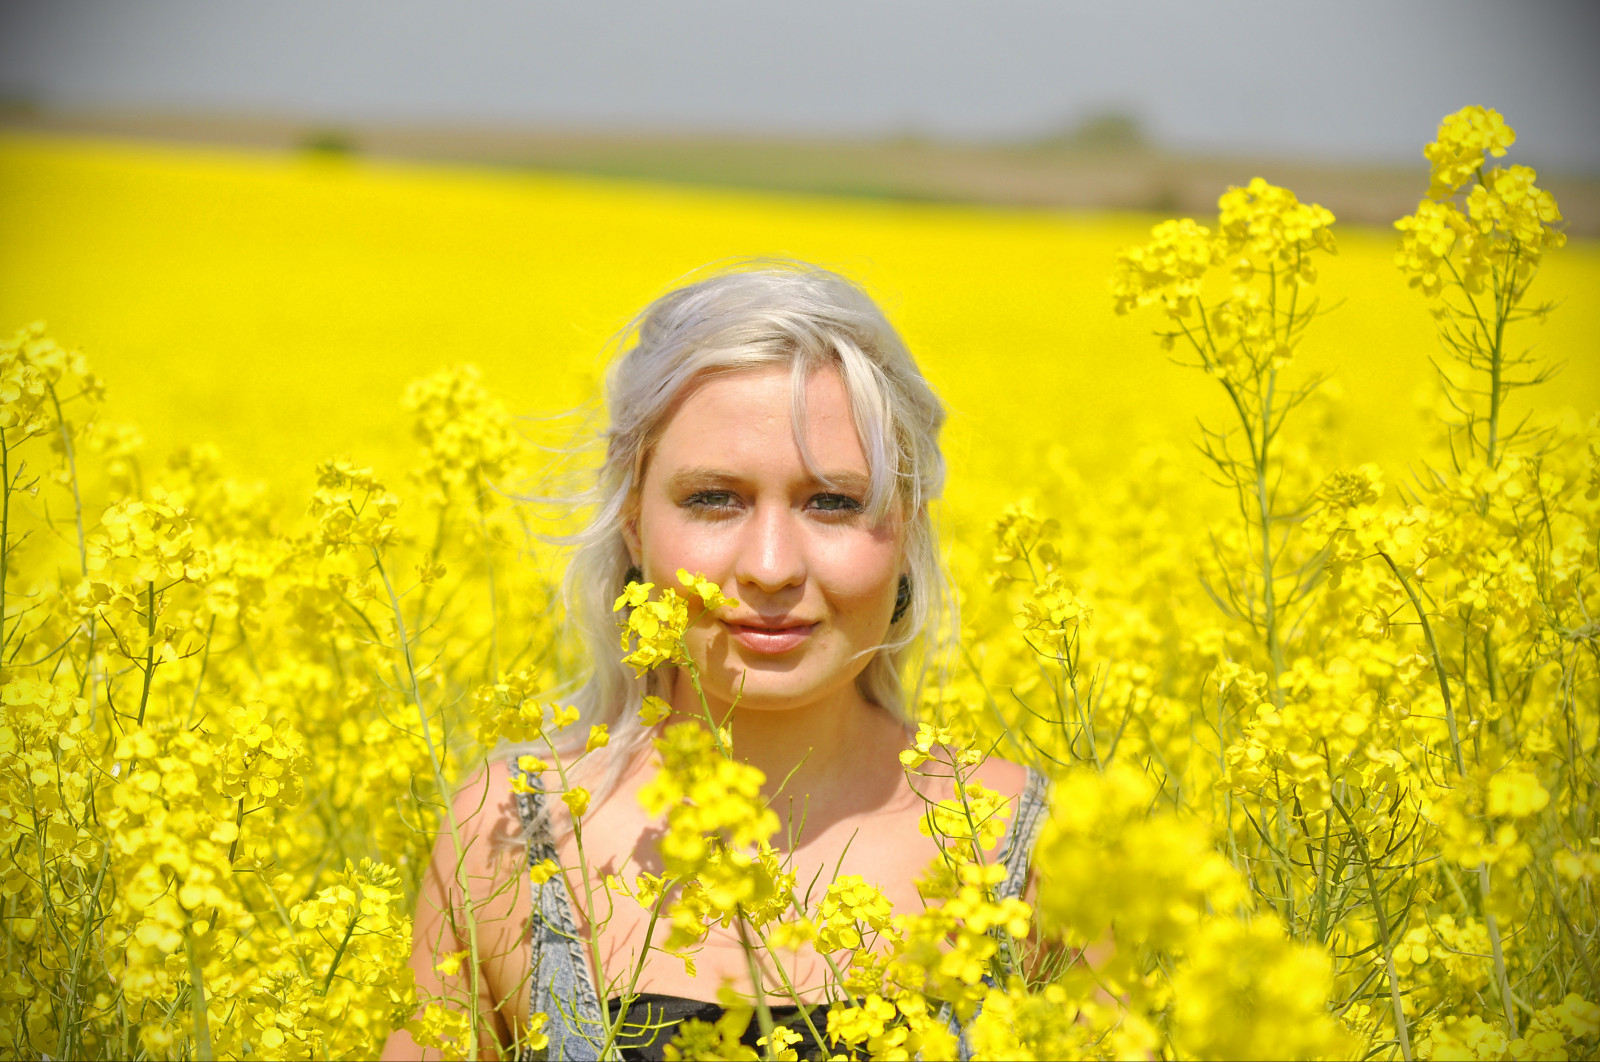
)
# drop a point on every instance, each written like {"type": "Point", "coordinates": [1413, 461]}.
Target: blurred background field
{"type": "Point", "coordinates": [277, 303]}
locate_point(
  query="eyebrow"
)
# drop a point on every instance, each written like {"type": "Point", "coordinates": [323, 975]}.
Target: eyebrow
{"type": "Point", "coordinates": [698, 475]}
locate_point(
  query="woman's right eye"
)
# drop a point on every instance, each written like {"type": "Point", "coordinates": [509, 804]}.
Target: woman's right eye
{"type": "Point", "coordinates": [710, 500]}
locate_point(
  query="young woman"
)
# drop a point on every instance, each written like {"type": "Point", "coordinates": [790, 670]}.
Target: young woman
{"type": "Point", "coordinates": [770, 431]}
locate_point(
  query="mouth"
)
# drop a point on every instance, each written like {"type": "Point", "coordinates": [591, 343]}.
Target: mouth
{"type": "Point", "coordinates": [779, 637]}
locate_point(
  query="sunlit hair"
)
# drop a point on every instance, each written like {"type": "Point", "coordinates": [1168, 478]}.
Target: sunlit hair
{"type": "Point", "coordinates": [753, 316]}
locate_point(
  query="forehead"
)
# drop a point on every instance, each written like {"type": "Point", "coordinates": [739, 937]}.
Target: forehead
{"type": "Point", "coordinates": [745, 420]}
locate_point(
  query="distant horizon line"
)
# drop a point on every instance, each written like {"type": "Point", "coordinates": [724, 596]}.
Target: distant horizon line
{"type": "Point", "coordinates": [1109, 167]}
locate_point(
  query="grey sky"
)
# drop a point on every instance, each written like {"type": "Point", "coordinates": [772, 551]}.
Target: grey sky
{"type": "Point", "coordinates": [1357, 81]}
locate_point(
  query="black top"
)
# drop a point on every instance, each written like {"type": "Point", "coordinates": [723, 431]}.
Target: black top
{"type": "Point", "coordinates": [653, 1021]}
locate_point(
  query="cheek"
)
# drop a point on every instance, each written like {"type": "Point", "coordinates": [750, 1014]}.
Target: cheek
{"type": "Point", "coordinates": [861, 570]}
{"type": "Point", "coordinates": [669, 540]}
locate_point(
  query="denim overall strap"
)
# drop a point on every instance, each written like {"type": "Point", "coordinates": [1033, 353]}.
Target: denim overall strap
{"type": "Point", "coordinates": [559, 985]}
{"type": "Point", "coordinates": [1033, 807]}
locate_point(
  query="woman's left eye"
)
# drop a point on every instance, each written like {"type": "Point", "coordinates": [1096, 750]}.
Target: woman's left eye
{"type": "Point", "coordinates": [836, 503]}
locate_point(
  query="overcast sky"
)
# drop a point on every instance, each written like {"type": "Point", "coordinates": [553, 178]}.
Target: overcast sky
{"type": "Point", "coordinates": [1353, 80]}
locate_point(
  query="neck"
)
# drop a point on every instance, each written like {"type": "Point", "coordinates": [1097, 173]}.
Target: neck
{"type": "Point", "coordinates": [820, 759]}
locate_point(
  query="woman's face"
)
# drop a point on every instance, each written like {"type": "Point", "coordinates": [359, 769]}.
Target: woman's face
{"type": "Point", "coordinates": [726, 494]}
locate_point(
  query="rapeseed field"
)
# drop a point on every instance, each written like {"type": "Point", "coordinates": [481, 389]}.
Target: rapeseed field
{"type": "Point", "coordinates": [1315, 670]}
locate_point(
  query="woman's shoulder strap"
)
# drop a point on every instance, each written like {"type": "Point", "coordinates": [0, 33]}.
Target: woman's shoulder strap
{"type": "Point", "coordinates": [1033, 806]}
{"type": "Point", "coordinates": [529, 796]}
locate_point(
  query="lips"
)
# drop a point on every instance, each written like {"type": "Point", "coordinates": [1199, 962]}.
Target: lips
{"type": "Point", "coordinates": [770, 638]}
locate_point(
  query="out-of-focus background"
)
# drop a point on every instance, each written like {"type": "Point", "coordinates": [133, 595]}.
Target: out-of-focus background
{"type": "Point", "coordinates": [261, 221]}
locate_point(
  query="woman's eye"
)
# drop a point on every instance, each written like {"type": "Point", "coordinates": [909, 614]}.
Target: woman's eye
{"type": "Point", "coordinates": [711, 500]}
{"type": "Point", "coordinates": [836, 503]}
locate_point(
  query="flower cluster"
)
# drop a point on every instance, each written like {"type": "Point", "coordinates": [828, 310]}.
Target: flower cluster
{"type": "Point", "coordinates": [1495, 239]}
{"type": "Point", "coordinates": [716, 840]}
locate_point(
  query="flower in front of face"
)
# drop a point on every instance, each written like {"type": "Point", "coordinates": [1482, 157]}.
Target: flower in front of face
{"type": "Point", "coordinates": [652, 633]}
{"type": "Point", "coordinates": [709, 593]}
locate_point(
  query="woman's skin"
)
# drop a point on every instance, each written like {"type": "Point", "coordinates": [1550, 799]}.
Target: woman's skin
{"type": "Point", "coordinates": [726, 493]}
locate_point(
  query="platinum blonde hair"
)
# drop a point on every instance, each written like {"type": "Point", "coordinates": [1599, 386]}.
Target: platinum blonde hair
{"type": "Point", "coordinates": [754, 316]}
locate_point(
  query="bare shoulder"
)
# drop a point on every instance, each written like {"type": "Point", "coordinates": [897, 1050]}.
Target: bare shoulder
{"type": "Point", "coordinates": [1004, 777]}
{"type": "Point", "coordinates": [486, 814]}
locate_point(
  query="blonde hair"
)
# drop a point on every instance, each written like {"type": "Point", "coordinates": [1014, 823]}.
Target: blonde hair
{"type": "Point", "coordinates": [755, 315]}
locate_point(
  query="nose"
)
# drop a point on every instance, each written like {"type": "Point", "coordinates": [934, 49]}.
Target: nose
{"type": "Point", "coordinates": [772, 551]}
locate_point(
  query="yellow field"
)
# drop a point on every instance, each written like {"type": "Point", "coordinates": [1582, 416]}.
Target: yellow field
{"type": "Point", "coordinates": [1335, 803]}
{"type": "Point", "coordinates": [278, 305]}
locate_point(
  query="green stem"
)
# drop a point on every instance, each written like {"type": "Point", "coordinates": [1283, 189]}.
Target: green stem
{"type": "Point", "coordinates": [788, 985]}
{"type": "Point", "coordinates": [436, 762]}
{"type": "Point", "coordinates": [197, 996]}
{"type": "Point", "coordinates": [1268, 589]}
{"type": "Point", "coordinates": [763, 1012]}
{"type": "Point", "coordinates": [1402, 1032]}
{"type": "Point", "coordinates": [494, 609]}
{"type": "Point", "coordinates": [638, 969]}
{"type": "Point", "coordinates": [1501, 980]}
{"type": "Point", "coordinates": [68, 1033]}
{"type": "Point", "coordinates": [338, 956]}
{"type": "Point", "coordinates": [1579, 945]}
{"type": "Point", "coordinates": [1438, 662]}
{"type": "Point", "coordinates": [150, 649]}
{"type": "Point", "coordinates": [72, 468]}
{"type": "Point", "coordinates": [238, 831]}
{"type": "Point", "coordinates": [1503, 306]}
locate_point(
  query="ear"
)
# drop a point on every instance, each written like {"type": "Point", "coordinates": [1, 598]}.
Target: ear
{"type": "Point", "coordinates": [630, 536]}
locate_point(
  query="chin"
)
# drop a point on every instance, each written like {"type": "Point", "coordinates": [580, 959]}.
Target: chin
{"type": "Point", "coordinates": [768, 685]}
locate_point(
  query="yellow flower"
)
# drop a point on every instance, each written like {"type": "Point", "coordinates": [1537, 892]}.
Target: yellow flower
{"type": "Point", "coordinates": [849, 905]}
{"type": "Point", "coordinates": [599, 737]}
{"type": "Point", "coordinates": [1167, 270]}
{"type": "Point", "coordinates": [653, 710]}
{"type": "Point", "coordinates": [1456, 153]}
{"type": "Point", "coordinates": [709, 593]}
{"type": "Point", "coordinates": [449, 965]}
{"type": "Point", "coordinates": [1516, 793]}
{"type": "Point", "coordinates": [652, 632]}
{"type": "Point", "coordinates": [1250, 992]}
{"type": "Point", "coordinates": [577, 800]}
{"type": "Point", "coordinates": [544, 870]}
{"type": "Point", "coordinates": [633, 595]}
